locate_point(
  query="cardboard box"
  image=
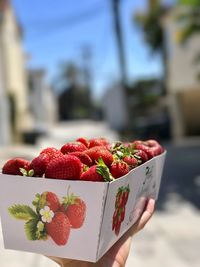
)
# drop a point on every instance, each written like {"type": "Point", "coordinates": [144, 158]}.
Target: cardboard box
{"type": "Point", "coordinates": [95, 237]}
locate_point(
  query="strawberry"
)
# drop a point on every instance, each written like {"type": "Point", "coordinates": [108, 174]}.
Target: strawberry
{"type": "Point", "coordinates": [98, 142]}
{"type": "Point", "coordinates": [52, 152]}
{"type": "Point", "coordinates": [14, 166]}
{"type": "Point", "coordinates": [83, 141]}
{"type": "Point", "coordinates": [98, 152]}
{"type": "Point", "coordinates": [131, 161]}
{"type": "Point", "coordinates": [139, 145]}
{"type": "Point", "coordinates": [59, 229]}
{"type": "Point", "coordinates": [119, 168]}
{"type": "Point", "coordinates": [97, 173]}
{"type": "Point", "coordinates": [84, 158]}
{"type": "Point", "coordinates": [117, 226]}
{"type": "Point", "coordinates": [73, 147]}
{"type": "Point", "coordinates": [67, 167]}
{"type": "Point", "coordinates": [75, 209]}
{"type": "Point", "coordinates": [39, 164]}
{"type": "Point", "coordinates": [155, 147]}
{"type": "Point", "coordinates": [51, 200]}
{"type": "Point", "coordinates": [141, 156]}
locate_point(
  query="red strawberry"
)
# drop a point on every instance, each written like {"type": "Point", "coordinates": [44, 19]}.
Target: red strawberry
{"type": "Point", "coordinates": [75, 209]}
{"type": "Point", "coordinates": [155, 147]}
{"type": "Point", "coordinates": [84, 158]}
{"type": "Point", "coordinates": [125, 196]}
{"type": "Point", "coordinates": [123, 214]}
{"type": "Point", "coordinates": [73, 147]}
{"type": "Point", "coordinates": [117, 226]}
{"type": "Point", "coordinates": [39, 164]}
{"type": "Point", "coordinates": [98, 142]}
{"type": "Point", "coordinates": [14, 165]}
{"type": "Point", "coordinates": [59, 228]}
{"type": "Point", "coordinates": [52, 152]}
{"type": "Point", "coordinates": [96, 173]}
{"type": "Point", "coordinates": [67, 167]}
{"type": "Point", "coordinates": [141, 156]}
{"type": "Point", "coordinates": [131, 161]}
{"type": "Point", "coordinates": [83, 141]}
{"type": "Point", "coordinates": [51, 200]}
{"type": "Point", "coordinates": [119, 168]}
{"type": "Point", "coordinates": [98, 152]}
{"type": "Point", "coordinates": [139, 145]}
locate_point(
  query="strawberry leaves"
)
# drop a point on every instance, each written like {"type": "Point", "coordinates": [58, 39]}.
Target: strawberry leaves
{"type": "Point", "coordinates": [33, 227]}
{"type": "Point", "coordinates": [35, 230]}
{"type": "Point", "coordinates": [22, 212]}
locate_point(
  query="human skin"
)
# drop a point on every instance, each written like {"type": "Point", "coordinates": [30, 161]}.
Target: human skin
{"type": "Point", "coordinates": [118, 253]}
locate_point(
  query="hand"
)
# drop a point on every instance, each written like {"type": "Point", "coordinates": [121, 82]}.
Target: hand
{"type": "Point", "coordinates": [118, 253]}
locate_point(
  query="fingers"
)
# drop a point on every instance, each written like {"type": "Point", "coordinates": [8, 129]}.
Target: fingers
{"type": "Point", "coordinates": [147, 214]}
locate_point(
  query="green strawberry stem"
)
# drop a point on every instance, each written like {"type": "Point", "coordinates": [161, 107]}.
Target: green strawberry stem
{"type": "Point", "coordinates": [103, 170]}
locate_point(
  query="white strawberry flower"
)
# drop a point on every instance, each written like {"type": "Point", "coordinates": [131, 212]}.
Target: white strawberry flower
{"type": "Point", "coordinates": [47, 214]}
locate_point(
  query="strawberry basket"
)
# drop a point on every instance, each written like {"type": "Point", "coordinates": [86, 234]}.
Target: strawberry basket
{"type": "Point", "coordinates": [78, 219]}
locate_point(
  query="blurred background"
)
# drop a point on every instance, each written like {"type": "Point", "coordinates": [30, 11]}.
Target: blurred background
{"type": "Point", "coordinates": [120, 69]}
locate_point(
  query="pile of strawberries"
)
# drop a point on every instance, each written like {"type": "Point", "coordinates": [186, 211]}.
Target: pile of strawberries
{"type": "Point", "coordinates": [94, 160]}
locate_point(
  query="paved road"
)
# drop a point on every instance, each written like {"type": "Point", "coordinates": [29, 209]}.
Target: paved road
{"type": "Point", "coordinates": [172, 238]}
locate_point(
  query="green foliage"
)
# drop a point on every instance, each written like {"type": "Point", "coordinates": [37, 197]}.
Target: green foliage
{"type": "Point", "coordinates": [152, 28]}
{"type": "Point", "coordinates": [22, 212]}
{"type": "Point", "coordinates": [32, 231]}
{"type": "Point", "coordinates": [195, 3]}
{"type": "Point", "coordinates": [188, 17]}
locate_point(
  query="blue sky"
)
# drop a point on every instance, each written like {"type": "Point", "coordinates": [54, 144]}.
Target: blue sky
{"type": "Point", "coordinates": [50, 39]}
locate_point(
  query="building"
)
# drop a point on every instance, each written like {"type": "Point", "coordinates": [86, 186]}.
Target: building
{"type": "Point", "coordinates": [114, 108]}
{"type": "Point", "coordinates": [183, 83]}
{"type": "Point", "coordinates": [14, 74]}
{"type": "Point", "coordinates": [42, 101]}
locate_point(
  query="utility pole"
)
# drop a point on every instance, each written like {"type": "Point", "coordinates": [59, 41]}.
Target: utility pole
{"type": "Point", "coordinates": [119, 40]}
{"type": "Point", "coordinates": [122, 60]}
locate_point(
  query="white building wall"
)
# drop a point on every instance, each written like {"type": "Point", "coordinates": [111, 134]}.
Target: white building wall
{"type": "Point", "coordinates": [114, 107]}
{"type": "Point", "coordinates": [182, 72]}
{"type": "Point", "coordinates": [14, 69]}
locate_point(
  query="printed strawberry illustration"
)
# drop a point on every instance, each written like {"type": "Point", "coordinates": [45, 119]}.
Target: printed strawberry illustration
{"type": "Point", "coordinates": [49, 217]}
{"type": "Point", "coordinates": [49, 199]}
{"type": "Point", "coordinates": [67, 167]}
{"type": "Point", "coordinates": [59, 229]}
{"type": "Point", "coordinates": [120, 208]}
{"type": "Point", "coordinates": [75, 209]}
{"type": "Point", "coordinates": [17, 166]}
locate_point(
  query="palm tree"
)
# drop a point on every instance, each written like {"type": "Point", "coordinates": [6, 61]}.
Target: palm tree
{"type": "Point", "coordinates": [151, 25]}
{"type": "Point", "coordinates": [189, 19]}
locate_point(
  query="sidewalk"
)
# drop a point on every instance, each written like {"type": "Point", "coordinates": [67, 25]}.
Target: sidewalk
{"type": "Point", "coordinates": [171, 239]}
